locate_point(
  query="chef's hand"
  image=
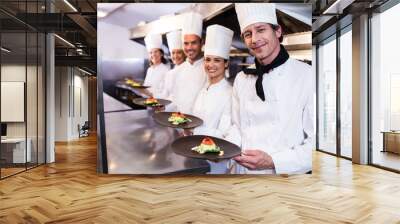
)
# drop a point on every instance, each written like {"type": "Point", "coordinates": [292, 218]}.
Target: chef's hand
{"type": "Point", "coordinates": [255, 160]}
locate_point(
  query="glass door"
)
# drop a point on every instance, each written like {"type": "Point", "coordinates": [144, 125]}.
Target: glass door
{"type": "Point", "coordinates": [345, 59]}
{"type": "Point", "coordinates": [327, 95]}
{"type": "Point", "coordinates": [385, 89]}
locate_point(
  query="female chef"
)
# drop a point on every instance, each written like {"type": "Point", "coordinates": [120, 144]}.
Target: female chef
{"type": "Point", "coordinates": [155, 74]}
{"type": "Point", "coordinates": [213, 104]}
{"type": "Point", "coordinates": [174, 39]}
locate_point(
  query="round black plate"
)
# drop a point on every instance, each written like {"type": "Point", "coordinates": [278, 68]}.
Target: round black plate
{"type": "Point", "coordinates": [183, 146]}
{"type": "Point", "coordinates": [139, 87]}
{"type": "Point", "coordinates": [140, 101]}
{"type": "Point", "coordinates": [127, 86]}
{"type": "Point", "coordinates": [162, 119]}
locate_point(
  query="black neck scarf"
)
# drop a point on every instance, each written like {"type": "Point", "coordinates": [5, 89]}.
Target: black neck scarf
{"type": "Point", "coordinates": [260, 70]}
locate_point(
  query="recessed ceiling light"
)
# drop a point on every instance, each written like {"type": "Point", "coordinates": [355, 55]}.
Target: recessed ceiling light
{"type": "Point", "coordinates": [64, 40]}
{"type": "Point", "coordinates": [70, 5]}
{"type": "Point", "coordinates": [5, 50]}
{"type": "Point", "coordinates": [86, 72]}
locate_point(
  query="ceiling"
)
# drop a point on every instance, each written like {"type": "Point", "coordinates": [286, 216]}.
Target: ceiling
{"type": "Point", "coordinates": [332, 15]}
{"type": "Point", "coordinates": [74, 22]}
{"type": "Point", "coordinates": [294, 18]}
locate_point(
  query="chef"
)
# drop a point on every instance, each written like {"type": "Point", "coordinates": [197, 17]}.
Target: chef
{"type": "Point", "coordinates": [213, 104]}
{"type": "Point", "coordinates": [174, 39]}
{"type": "Point", "coordinates": [191, 77]}
{"type": "Point", "coordinates": [272, 104]}
{"type": "Point", "coordinates": [155, 74]}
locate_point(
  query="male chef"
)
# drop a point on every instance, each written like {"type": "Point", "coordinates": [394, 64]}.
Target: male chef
{"type": "Point", "coordinates": [272, 103]}
{"type": "Point", "coordinates": [191, 76]}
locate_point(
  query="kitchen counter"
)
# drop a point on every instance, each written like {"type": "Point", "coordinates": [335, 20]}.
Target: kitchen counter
{"type": "Point", "coordinates": [137, 145]}
{"type": "Point", "coordinates": [111, 104]}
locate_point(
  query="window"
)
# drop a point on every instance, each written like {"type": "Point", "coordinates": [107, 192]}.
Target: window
{"type": "Point", "coordinates": [346, 92]}
{"type": "Point", "coordinates": [385, 89]}
{"type": "Point", "coordinates": [327, 96]}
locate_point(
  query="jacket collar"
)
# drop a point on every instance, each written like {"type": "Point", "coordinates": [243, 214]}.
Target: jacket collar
{"type": "Point", "coordinates": [222, 83]}
{"type": "Point", "coordinates": [196, 63]}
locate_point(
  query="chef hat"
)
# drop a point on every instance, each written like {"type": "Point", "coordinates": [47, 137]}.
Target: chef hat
{"type": "Point", "coordinates": [218, 41]}
{"type": "Point", "coordinates": [192, 24]}
{"type": "Point", "coordinates": [249, 13]}
{"type": "Point", "coordinates": [174, 40]}
{"type": "Point", "coordinates": [153, 40]}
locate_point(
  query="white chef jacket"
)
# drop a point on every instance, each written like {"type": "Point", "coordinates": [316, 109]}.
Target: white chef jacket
{"type": "Point", "coordinates": [282, 125]}
{"type": "Point", "coordinates": [169, 82]}
{"type": "Point", "coordinates": [213, 105]}
{"type": "Point", "coordinates": [189, 81]}
{"type": "Point", "coordinates": [155, 78]}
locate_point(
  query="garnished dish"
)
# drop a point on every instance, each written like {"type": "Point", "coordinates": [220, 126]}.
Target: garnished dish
{"type": "Point", "coordinates": [208, 146]}
{"type": "Point", "coordinates": [205, 147]}
{"type": "Point", "coordinates": [151, 102]}
{"type": "Point", "coordinates": [132, 82]}
{"type": "Point", "coordinates": [178, 118]}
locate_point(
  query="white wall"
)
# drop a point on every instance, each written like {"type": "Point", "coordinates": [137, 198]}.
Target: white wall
{"type": "Point", "coordinates": [33, 126]}
{"type": "Point", "coordinates": [70, 83]}
{"type": "Point", "coordinates": [80, 94]}
{"type": "Point", "coordinates": [113, 43]}
{"type": "Point", "coordinates": [62, 81]}
{"type": "Point", "coordinates": [12, 73]}
{"type": "Point", "coordinates": [301, 54]}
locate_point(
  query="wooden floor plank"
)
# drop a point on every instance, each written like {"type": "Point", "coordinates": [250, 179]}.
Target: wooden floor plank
{"type": "Point", "coordinates": [70, 191]}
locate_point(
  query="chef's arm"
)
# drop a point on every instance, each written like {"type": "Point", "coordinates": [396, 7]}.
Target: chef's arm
{"type": "Point", "coordinates": [171, 107]}
{"type": "Point", "coordinates": [146, 93]}
{"type": "Point", "coordinates": [233, 134]}
{"type": "Point", "coordinates": [298, 159]}
{"type": "Point", "coordinates": [223, 126]}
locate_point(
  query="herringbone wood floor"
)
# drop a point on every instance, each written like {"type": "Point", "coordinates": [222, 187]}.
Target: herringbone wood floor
{"type": "Point", "coordinates": [70, 191]}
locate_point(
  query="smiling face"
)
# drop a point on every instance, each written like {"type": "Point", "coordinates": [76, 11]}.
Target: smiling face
{"type": "Point", "coordinates": [178, 56]}
{"type": "Point", "coordinates": [262, 41]}
{"type": "Point", "coordinates": [192, 47]}
{"type": "Point", "coordinates": [215, 67]}
{"type": "Point", "coordinates": [155, 56]}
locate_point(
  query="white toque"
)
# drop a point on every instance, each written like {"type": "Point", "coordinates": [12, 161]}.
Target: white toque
{"type": "Point", "coordinates": [153, 40]}
{"type": "Point", "coordinates": [192, 24]}
{"type": "Point", "coordinates": [250, 13]}
{"type": "Point", "coordinates": [218, 41]}
{"type": "Point", "coordinates": [174, 39]}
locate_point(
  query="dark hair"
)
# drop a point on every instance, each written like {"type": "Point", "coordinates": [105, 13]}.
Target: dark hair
{"type": "Point", "coordinates": [226, 61]}
{"type": "Point", "coordinates": [163, 59]}
{"type": "Point", "coordinates": [276, 27]}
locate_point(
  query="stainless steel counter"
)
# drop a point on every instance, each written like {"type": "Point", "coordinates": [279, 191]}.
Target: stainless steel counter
{"type": "Point", "coordinates": [111, 104]}
{"type": "Point", "coordinates": [137, 145]}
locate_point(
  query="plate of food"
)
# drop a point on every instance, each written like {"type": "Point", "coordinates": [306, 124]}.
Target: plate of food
{"type": "Point", "coordinates": [205, 147]}
{"type": "Point", "coordinates": [135, 84]}
{"type": "Point", "coordinates": [177, 120]}
{"type": "Point", "coordinates": [150, 102]}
